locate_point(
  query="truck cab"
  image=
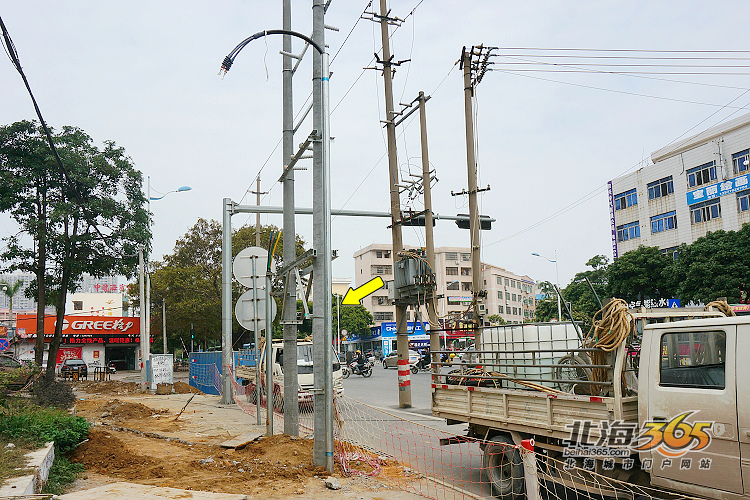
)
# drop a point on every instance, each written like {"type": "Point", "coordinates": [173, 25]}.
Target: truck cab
{"type": "Point", "coordinates": [702, 367]}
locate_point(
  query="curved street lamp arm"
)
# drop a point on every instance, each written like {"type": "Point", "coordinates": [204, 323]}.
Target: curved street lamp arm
{"type": "Point", "coordinates": [229, 60]}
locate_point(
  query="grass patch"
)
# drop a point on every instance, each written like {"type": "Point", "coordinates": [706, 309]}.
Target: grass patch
{"type": "Point", "coordinates": [61, 475]}
{"type": "Point", "coordinates": [36, 425]}
{"type": "Point", "coordinates": [12, 459]}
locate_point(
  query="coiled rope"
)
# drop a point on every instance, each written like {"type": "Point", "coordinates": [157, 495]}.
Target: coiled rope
{"type": "Point", "coordinates": [722, 306]}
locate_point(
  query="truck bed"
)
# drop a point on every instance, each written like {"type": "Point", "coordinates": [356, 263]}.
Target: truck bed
{"type": "Point", "coordinates": [530, 411]}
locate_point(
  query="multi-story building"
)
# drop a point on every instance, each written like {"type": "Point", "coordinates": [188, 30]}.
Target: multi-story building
{"type": "Point", "coordinates": [87, 285]}
{"type": "Point", "coordinates": [695, 186]}
{"type": "Point", "coordinates": [20, 301]}
{"type": "Point", "coordinates": [509, 295]}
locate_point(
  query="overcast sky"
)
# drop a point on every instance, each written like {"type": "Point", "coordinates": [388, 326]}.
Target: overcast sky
{"type": "Point", "coordinates": [144, 74]}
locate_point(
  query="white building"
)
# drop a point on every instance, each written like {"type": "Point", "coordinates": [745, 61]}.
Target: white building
{"type": "Point", "coordinates": [509, 295]}
{"type": "Point", "coordinates": [695, 186]}
{"type": "Point", "coordinates": [95, 304]}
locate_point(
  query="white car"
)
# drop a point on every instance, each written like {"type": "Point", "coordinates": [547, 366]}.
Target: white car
{"type": "Point", "coordinates": [391, 361]}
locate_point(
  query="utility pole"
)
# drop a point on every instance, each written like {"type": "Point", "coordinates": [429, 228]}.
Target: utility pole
{"type": "Point", "coordinates": [402, 343]}
{"type": "Point", "coordinates": [322, 311]}
{"type": "Point", "coordinates": [469, 84]}
{"type": "Point", "coordinates": [164, 322]}
{"type": "Point", "coordinates": [257, 194]}
{"type": "Point", "coordinates": [429, 239]}
{"type": "Point", "coordinates": [289, 314]}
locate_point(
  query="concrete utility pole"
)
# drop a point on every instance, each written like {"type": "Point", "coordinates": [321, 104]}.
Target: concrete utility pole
{"type": "Point", "coordinates": [429, 239]}
{"type": "Point", "coordinates": [226, 302]}
{"type": "Point", "coordinates": [404, 379]}
{"type": "Point", "coordinates": [322, 312]}
{"type": "Point", "coordinates": [142, 314]}
{"type": "Point", "coordinates": [471, 165]}
{"type": "Point", "coordinates": [289, 314]}
{"type": "Point", "coordinates": [164, 323]}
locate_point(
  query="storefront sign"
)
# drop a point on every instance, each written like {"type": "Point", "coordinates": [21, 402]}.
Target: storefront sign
{"type": "Point", "coordinates": [730, 186]}
{"type": "Point", "coordinates": [69, 353]}
{"type": "Point", "coordinates": [460, 300]}
{"type": "Point", "coordinates": [85, 327]}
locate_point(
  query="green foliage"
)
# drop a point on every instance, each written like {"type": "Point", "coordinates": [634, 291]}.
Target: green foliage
{"type": "Point", "coordinates": [496, 319]}
{"type": "Point", "coordinates": [716, 265]}
{"type": "Point", "coordinates": [40, 425]}
{"type": "Point", "coordinates": [641, 274]}
{"type": "Point", "coordinates": [61, 475]}
{"type": "Point", "coordinates": [580, 295]}
{"type": "Point", "coordinates": [546, 309]}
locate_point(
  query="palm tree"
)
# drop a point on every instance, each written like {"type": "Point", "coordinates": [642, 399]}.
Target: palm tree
{"type": "Point", "coordinates": [11, 290]}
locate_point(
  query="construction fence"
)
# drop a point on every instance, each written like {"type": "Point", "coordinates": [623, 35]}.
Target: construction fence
{"type": "Point", "coordinates": [439, 464]}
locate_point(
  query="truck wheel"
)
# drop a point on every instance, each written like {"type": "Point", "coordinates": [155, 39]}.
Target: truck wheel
{"type": "Point", "coordinates": [504, 468]}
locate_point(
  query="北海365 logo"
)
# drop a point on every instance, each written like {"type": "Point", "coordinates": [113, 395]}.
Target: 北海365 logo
{"type": "Point", "coordinates": [675, 437]}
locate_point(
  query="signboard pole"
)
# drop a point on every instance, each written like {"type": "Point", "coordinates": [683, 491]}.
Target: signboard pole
{"type": "Point", "coordinates": [269, 360]}
{"type": "Point", "coordinates": [256, 346]}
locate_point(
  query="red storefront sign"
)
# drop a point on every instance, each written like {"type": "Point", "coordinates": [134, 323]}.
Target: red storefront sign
{"type": "Point", "coordinates": [86, 329]}
{"type": "Point", "coordinates": [69, 353]}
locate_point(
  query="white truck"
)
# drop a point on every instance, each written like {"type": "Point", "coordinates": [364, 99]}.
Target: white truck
{"type": "Point", "coordinates": [680, 402]}
{"type": "Point", "coordinates": [246, 374]}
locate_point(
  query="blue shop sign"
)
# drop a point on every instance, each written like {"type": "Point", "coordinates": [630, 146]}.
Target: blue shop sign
{"type": "Point", "coordinates": [730, 186]}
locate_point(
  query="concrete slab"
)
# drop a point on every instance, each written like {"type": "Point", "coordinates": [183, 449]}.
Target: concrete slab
{"type": "Point", "coordinates": [242, 440]}
{"type": "Point", "coordinates": [118, 491]}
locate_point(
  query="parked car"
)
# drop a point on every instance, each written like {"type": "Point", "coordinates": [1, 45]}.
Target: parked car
{"type": "Point", "coordinates": [71, 366]}
{"type": "Point", "coordinates": [9, 364]}
{"type": "Point", "coordinates": [391, 361]}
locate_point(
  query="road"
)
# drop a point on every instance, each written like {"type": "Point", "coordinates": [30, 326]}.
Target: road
{"type": "Point", "coordinates": [412, 435]}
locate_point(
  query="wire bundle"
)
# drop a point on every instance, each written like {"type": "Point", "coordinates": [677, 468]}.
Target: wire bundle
{"type": "Point", "coordinates": [273, 242]}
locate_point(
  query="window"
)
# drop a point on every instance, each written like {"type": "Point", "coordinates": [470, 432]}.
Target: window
{"type": "Point", "coordinates": [628, 231]}
{"type": "Point", "coordinates": [694, 359]}
{"type": "Point", "coordinates": [626, 199]}
{"type": "Point", "coordinates": [671, 251]}
{"type": "Point", "coordinates": [499, 295]}
{"type": "Point", "coordinates": [453, 286]}
{"type": "Point", "coordinates": [379, 254]}
{"type": "Point", "coordinates": [507, 295]}
{"type": "Point", "coordinates": [451, 255]}
{"type": "Point", "coordinates": [515, 310]}
{"type": "Point", "coordinates": [664, 222]}
{"type": "Point", "coordinates": [704, 174]}
{"type": "Point", "coordinates": [743, 201]}
{"type": "Point", "coordinates": [660, 188]}
{"type": "Point", "coordinates": [465, 271]}
{"type": "Point", "coordinates": [380, 301]}
{"type": "Point", "coordinates": [514, 297]}
{"type": "Point", "coordinates": [512, 283]}
{"type": "Point", "coordinates": [500, 310]}
{"type": "Point", "coordinates": [499, 280]}
{"type": "Point", "coordinates": [466, 257]}
{"type": "Point", "coordinates": [78, 305]}
{"type": "Point", "coordinates": [382, 270]}
{"type": "Point", "coordinates": [451, 271]}
{"type": "Point", "coordinates": [382, 316]}
{"type": "Point", "coordinates": [507, 282]}
{"type": "Point", "coordinates": [741, 161]}
{"type": "Point", "coordinates": [702, 212]}
{"type": "Point", "coordinates": [466, 286]}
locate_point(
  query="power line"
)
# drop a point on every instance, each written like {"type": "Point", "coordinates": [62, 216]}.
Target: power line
{"type": "Point", "coordinates": [629, 50]}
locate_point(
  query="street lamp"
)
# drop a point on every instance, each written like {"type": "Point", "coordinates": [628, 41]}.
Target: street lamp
{"type": "Point", "coordinates": [145, 310]}
{"type": "Point", "coordinates": [557, 278]}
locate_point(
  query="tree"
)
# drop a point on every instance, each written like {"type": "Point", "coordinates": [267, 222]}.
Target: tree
{"type": "Point", "coordinates": [716, 265]}
{"type": "Point", "coordinates": [27, 177]}
{"type": "Point", "coordinates": [641, 274]}
{"type": "Point", "coordinates": [189, 279]}
{"type": "Point", "coordinates": [354, 319]}
{"type": "Point", "coordinates": [496, 319]}
{"type": "Point", "coordinates": [94, 220]}
{"type": "Point", "coordinates": [10, 291]}
{"type": "Point", "coordinates": [546, 309]}
{"type": "Point", "coordinates": [580, 295]}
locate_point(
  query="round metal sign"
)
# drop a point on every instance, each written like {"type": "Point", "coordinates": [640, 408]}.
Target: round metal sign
{"type": "Point", "coordinates": [242, 266]}
{"type": "Point", "coordinates": [245, 310]}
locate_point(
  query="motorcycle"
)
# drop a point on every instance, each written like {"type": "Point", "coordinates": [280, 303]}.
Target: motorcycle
{"type": "Point", "coordinates": [111, 368]}
{"type": "Point", "coordinates": [419, 366]}
{"type": "Point", "coordinates": [353, 368]}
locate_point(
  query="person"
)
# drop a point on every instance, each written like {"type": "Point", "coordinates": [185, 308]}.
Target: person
{"type": "Point", "coordinates": [360, 361]}
{"type": "Point", "coordinates": [424, 363]}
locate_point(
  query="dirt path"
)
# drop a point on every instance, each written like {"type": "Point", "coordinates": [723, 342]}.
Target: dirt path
{"type": "Point", "coordinates": [136, 438]}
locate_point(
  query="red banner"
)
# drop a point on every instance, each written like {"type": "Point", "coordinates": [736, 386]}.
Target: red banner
{"type": "Point", "coordinates": [69, 353]}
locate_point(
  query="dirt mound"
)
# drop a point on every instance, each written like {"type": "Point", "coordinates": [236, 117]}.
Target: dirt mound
{"type": "Point", "coordinates": [106, 454]}
{"type": "Point", "coordinates": [113, 387]}
{"type": "Point", "coordinates": [123, 410]}
{"type": "Point", "coordinates": [183, 388]}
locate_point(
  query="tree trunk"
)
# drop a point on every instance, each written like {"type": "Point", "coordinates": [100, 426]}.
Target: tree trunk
{"type": "Point", "coordinates": [54, 345]}
{"type": "Point", "coordinates": [41, 263]}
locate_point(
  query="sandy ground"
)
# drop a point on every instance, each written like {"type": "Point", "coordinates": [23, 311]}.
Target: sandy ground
{"type": "Point", "coordinates": [138, 438]}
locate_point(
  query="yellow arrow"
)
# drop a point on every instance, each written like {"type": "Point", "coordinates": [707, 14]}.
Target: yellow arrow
{"type": "Point", "coordinates": [354, 296]}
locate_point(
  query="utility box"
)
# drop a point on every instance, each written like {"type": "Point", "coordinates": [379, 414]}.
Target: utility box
{"type": "Point", "coordinates": [412, 277]}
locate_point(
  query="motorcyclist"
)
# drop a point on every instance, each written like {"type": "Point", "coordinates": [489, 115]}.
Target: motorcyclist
{"type": "Point", "coordinates": [424, 363]}
{"type": "Point", "coordinates": [360, 361]}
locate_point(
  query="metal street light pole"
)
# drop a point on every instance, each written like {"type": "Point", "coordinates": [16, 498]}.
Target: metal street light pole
{"type": "Point", "coordinates": [557, 279]}
{"type": "Point", "coordinates": [145, 288]}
